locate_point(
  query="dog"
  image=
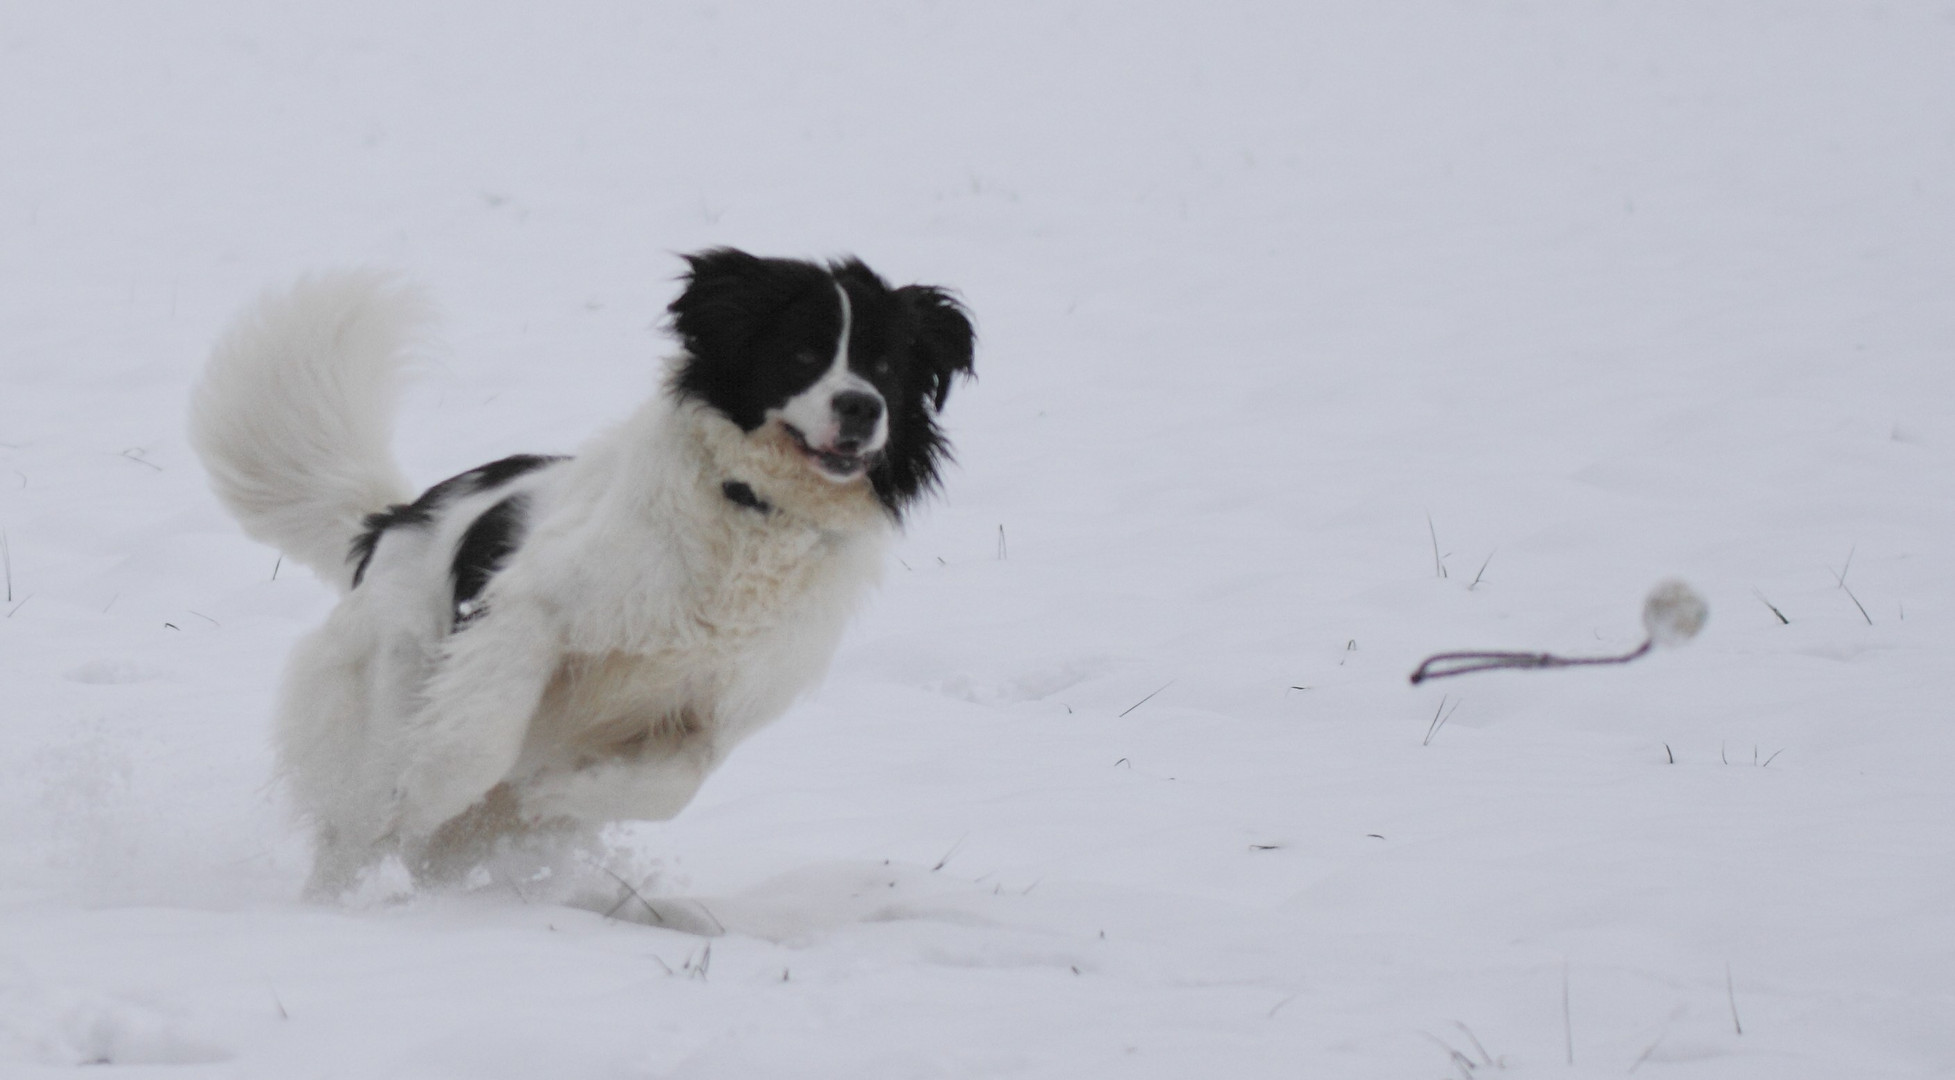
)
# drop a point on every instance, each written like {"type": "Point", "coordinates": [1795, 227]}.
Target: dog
{"type": "Point", "coordinates": [548, 643]}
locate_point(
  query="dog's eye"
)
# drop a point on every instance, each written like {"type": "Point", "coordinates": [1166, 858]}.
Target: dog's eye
{"type": "Point", "coordinates": [806, 358]}
{"type": "Point", "coordinates": [880, 367]}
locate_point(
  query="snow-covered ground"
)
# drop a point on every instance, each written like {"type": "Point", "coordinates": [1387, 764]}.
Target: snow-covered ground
{"type": "Point", "coordinates": [1120, 774]}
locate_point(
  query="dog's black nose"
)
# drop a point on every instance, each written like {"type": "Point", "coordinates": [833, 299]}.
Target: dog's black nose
{"type": "Point", "coordinates": [858, 412]}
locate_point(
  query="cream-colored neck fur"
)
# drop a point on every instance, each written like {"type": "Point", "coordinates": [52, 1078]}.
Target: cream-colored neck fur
{"type": "Point", "coordinates": [714, 616]}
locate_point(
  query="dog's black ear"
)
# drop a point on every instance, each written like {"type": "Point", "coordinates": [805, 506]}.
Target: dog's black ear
{"type": "Point", "coordinates": [944, 337]}
{"type": "Point", "coordinates": [729, 295]}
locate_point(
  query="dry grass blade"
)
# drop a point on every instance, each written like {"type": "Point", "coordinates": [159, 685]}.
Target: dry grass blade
{"type": "Point", "coordinates": [1146, 699]}
{"type": "Point", "coordinates": [953, 851]}
{"type": "Point", "coordinates": [1783, 621]}
{"type": "Point", "coordinates": [1840, 579]}
{"type": "Point", "coordinates": [1567, 1014]}
{"type": "Point", "coordinates": [1439, 718]}
{"type": "Point", "coordinates": [630, 894]}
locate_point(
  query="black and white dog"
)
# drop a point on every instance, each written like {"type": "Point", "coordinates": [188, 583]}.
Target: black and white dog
{"type": "Point", "coordinates": [546, 643]}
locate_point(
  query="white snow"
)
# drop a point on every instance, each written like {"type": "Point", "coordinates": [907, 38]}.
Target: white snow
{"type": "Point", "coordinates": [1120, 774]}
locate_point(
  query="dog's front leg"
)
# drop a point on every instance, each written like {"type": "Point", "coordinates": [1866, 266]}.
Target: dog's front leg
{"type": "Point", "coordinates": [651, 786]}
{"type": "Point", "coordinates": [474, 716]}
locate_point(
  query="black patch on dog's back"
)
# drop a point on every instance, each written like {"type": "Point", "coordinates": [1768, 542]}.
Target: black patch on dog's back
{"type": "Point", "coordinates": [498, 473]}
{"type": "Point", "coordinates": [422, 510]}
{"type": "Point", "coordinates": [418, 512]}
{"type": "Point", "coordinates": [488, 542]}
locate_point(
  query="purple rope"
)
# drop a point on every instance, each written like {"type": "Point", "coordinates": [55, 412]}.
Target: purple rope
{"type": "Point", "coordinates": [1445, 665]}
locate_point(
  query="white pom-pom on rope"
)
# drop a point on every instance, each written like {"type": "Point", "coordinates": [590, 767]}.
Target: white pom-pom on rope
{"type": "Point", "coordinates": [1672, 615]}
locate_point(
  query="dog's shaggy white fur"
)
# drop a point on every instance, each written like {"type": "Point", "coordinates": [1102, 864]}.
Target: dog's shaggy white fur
{"type": "Point", "coordinates": [648, 604]}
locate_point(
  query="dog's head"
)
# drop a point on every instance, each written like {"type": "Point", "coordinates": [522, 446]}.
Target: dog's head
{"type": "Point", "coordinates": [852, 371]}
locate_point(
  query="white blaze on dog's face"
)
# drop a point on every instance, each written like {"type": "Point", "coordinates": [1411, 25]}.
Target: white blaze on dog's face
{"type": "Point", "coordinates": [841, 421]}
{"type": "Point", "coordinates": [849, 369]}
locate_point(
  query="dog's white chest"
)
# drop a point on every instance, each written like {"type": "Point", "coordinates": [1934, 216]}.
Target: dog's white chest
{"type": "Point", "coordinates": [753, 626]}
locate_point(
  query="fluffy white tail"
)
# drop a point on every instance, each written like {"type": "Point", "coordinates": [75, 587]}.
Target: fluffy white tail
{"type": "Point", "coordinates": [295, 412]}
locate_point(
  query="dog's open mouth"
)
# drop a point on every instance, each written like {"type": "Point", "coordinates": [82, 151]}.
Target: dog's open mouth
{"type": "Point", "coordinates": [834, 463]}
